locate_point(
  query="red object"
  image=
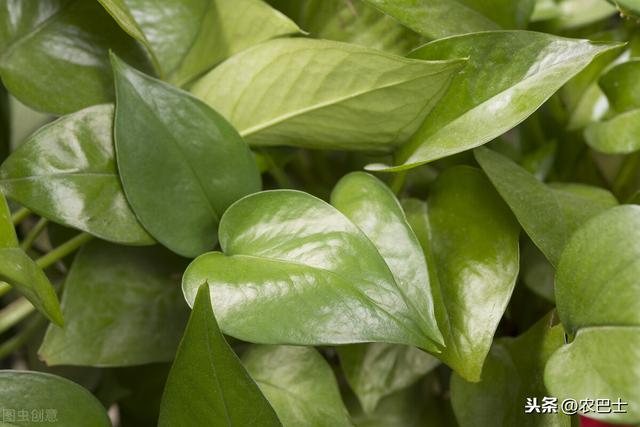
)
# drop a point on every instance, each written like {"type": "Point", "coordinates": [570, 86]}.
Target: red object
{"type": "Point", "coordinates": [588, 422]}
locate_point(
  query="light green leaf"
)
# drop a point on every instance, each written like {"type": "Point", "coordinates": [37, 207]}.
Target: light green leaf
{"type": "Point", "coordinates": [122, 307]}
{"type": "Point", "coordinates": [67, 41]}
{"type": "Point", "coordinates": [35, 391]}
{"type": "Point", "coordinates": [207, 385]}
{"type": "Point", "coordinates": [580, 13]}
{"type": "Point", "coordinates": [323, 94]}
{"type": "Point", "coordinates": [181, 164]}
{"type": "Point", "coordinates": [21, 272]}
{"type": "Point", "coordinates": [300, 385]}
{"type": "Point", "coordinates": [470, 241]}
{"type": "Point", "coordinates": [377, 370]}
{"type": "Point", "coordinates": [548, 214]}
{"type": "Point", "coordinates": [512, 373]}
{"type": "Point", "coordinates": [5, 124]}
{"type": "Point", "coordinates": [601, 363]}
{"type": "Point", "coordinates": [628, 7]}
{"type": "Point", "coordinates": [356, 22]}
{"type": "Point", "coordinates": [618, 135]}
{"type": "Point", "coordinates": [66, 172]}
{"type": "Point", "coordinates": [441, 18]}
{"type": "Point", "coordinates": [8, 238]}
{"type": "Point", "coordinates": [622, 86]}
{"type": "Point", "coordinates": [545, 10]}
{"type": "Point", "coordinates": [187, 37]}
{"type": "Point", "coordinates": [297, 271]}
{"type": "Point", "coordinates": [597, 278]}
{"type": "Point", "coordinates": [509, 75]}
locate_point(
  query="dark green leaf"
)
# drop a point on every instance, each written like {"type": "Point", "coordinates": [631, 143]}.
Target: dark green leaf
{"type": "Point", "coordinates": [67, 172]}
{"type": "Point", "coordinates": [122, 307]}
{"type": "Point", "coordinates": [208, 385]}
{"type": "Point", "coordinates": [512, 373]}
{"type": "Point", "coordinates": [297, 271]}
{"type": "Point", "coordinates": [508, 76]}
{"type": "Point", "coordinates": [8, 238]}
{"type": "Point", "coordinates": [300, 385]}
{"type": "Point", "coordinates": [60, 400]}
{"type": "Point", "coordinates": [470, 241]}
{"type": "Point", "coordinates": [187, 37]}
{"type": "Point", "coordinates": [440, 18]}
{"type": "Point", "coordinates": [324, 94]}
{"type": "Point", "coordinates": [66, 41]}
{"type": "Point", "coordinates": [181, 164]}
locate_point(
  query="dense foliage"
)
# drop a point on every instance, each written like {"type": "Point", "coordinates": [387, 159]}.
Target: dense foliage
{"type": "Point", "coordinates": [319, 213]}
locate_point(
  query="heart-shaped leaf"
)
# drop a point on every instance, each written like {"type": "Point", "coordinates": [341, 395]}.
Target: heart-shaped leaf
{"type": "Point", "coordinates": [122, 307]}
{"type": "Point", "coordinates": [508, 76]}
{"type": "Point", "coordinates": [186, 38]}
{"type": "Point", "coordinates": [377, 370]}
{"type": "Point", "coordinates": [296, 271]}
{"type": "Point", "coordinates": [67, 41]}
{"type": "Point", "coordinates": [618, 135]}
{"type": "Point", "coordinates": [181, 164]}
{"type": "Point", "coordinates": [207, 385]}
{"type": "Point", "coordinates": [8, 238]}
{"type": "Point", "coordinates": [323, 94]}
{"type": "Point", "coordinates": [621, 85]}
{"type": "Point", "coordinates": [66, 172]}
{"type": "Point", "coordinates": [55, 400]}
{"type": "Point", "coordinates": [548, 214]}
{"type": "Point", "coordinates": [441, 18]}
{"type": "Point", "coordinates": [21, 272]}
{"type": "Point", "coordinates": [300, 385]}
{"type": "Point", "coordinates": [470, 242]}
{"type": "Point", "coordinates": [512, 373]}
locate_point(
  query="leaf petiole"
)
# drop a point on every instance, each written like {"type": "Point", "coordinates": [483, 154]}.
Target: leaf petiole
{"type": "Point", "coordinates": [33, 234]}
{"type": "Point", "coordinates": [20, 215]}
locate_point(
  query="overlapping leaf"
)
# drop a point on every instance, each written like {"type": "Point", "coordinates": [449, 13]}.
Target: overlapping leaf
{"type": "Point", "coordinates": [8, 238]}
{"type": "Point", "coordinates": [67, 41]}
{"type": "Point", "coordinates": [186, 38]}
{"type": "Point", "coordinates": [122, 307]}
{"type": "Point", "coordinates": [323, 94]}
{"type": "Point", "coordinates": [508, 76]}
{"type": "Point", "coordinates": [181, 164]}
{"type": "Point", "coordinates": [66, 172]}
{"type": "Point", "coordinates": [208, 385]}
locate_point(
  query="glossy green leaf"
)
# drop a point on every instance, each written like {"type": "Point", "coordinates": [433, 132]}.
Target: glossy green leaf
{"type": "Point", "coordinates": [618, 135]}
{"type": "Point", "coordinates": [66, 172]}
{"type": "Point", "coordinates": [297, 271]}
{"type": "Point", "coordinates": [208, 385]}
{"type": "Point", "coordinates": [509, 75]}
{"type": "Point", "coordinates": [186, 38]}
{"type": "Point", "coordinates": [356, 22]}
{"type": "Point", "coordinates": [549, 214]}
{"type": "Point", "coordinates": [181, 164]}
{"type": "Point", "coordinates": [61, 401]}
{"type": "Point", "coordinates": [622, 86]}
{"type": "Point", "coordinates": [601, 363]}
{"type": "Point", "coordinates": [597, 278]}
{"type": "Point", "coordinates": [440, 18]}
{"type": "Point", "coordinates": [21, 272]}
{"type": "Point", "coordinates": [300, 385]}
{"type": "Point", "coordinates": [512, 373]}
{"type": "Point", "coordinates": [470, 241]}
{"type": "Point", "coordinates": [377, 370]}
{"type": "Point", "coordinates": [122, 307]}
{"type": "Point", "coordinates": [8, 238]}
{"type": "Point", "coordinates": [373, 207]}
{"type": "Point", "coordinates": [67, 41]}
{"type": "Point", "coordinates": [323, 94]}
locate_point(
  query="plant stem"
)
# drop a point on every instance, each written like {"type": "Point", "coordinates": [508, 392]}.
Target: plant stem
{"type": "Point", "coordinates": [397, 182]}
{"type": "Point", "coordinates": [20, 339]}
{"type": "Point", "coordinates": [14, 313]}
{"type": "Point", "coordinates": [19, 216]}
{"type": "Point", "coordinates": [63, 250]}
{"type": "Point", "coordinates": [34, 233]}
{"type": "Point", "coordinates": [4, 288]}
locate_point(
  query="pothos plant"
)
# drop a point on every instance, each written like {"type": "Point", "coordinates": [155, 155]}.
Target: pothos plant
{"type": "Point", "coordinates": [319, 212]}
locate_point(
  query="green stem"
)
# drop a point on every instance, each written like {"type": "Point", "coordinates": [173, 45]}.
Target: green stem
{"type": "Point", "coordinates": [63, 250]}
{"type": "Point", "coordinates": [20, 339]}
{"type": "Point", "coordinates": [5, 288]}
{"type": "Point", "coordinates": [34, 233]}
{"type": "Point", "coordinates": [14, 313]}
{"type": "Point", "coordinates": [19, 216]}
{"type": "Point", "coordinates": [397, 182]}
{"type": "Point", "coordinates": [277, 173]}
